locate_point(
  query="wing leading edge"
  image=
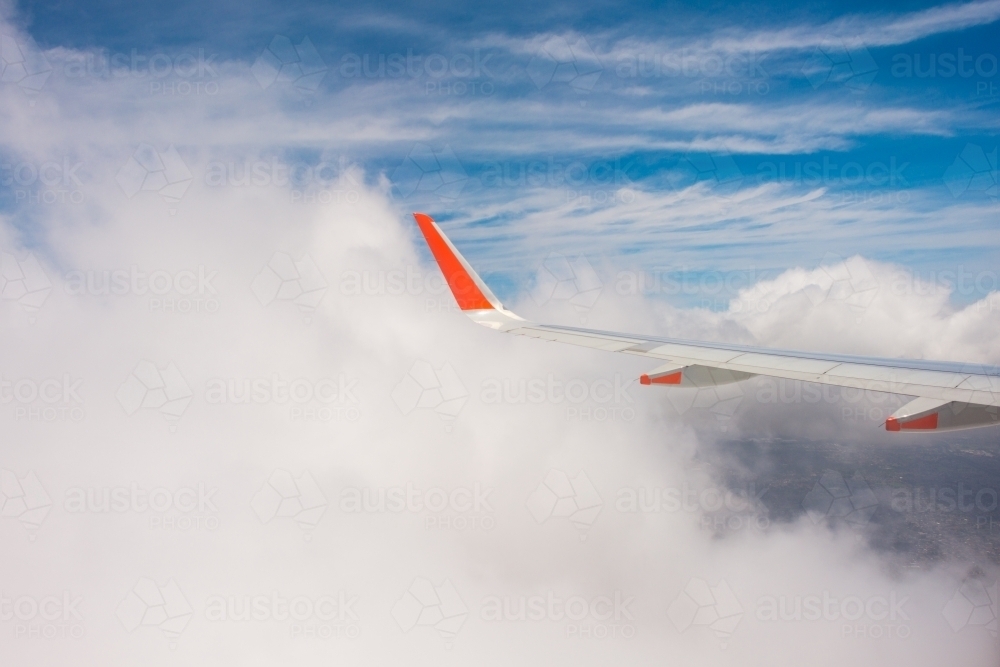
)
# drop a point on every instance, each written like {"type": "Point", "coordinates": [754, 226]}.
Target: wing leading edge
{"type": "Point", "coordinates": [948, 395]}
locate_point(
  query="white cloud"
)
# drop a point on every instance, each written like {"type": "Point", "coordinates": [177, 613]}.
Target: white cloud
{"type": "Point", "coordinates": [870, 28]}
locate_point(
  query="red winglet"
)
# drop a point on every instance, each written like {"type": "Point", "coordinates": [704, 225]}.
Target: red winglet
{"type": "Point", "coordinates": [463, 286]}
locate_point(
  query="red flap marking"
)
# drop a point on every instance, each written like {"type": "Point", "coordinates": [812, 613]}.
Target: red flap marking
{"type": "Point", "coordinates": [673, 378]}
{"type": "Point", "coordinates": [925, 423]}
{"type": "Point", "coordinates": [467, 293]}
{"type": "Point", "coordinates": [928, 423]}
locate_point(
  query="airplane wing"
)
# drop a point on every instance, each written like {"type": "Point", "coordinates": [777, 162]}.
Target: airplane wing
{"type": "Point", "coordinates": [947, 395]}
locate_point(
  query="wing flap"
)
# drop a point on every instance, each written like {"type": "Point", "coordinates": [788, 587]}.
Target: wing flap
{"type": "Point", "coordinates": [774, 361]}
{"type": "Point", "coordinates": [897, 375]}
{"type": "Point", "coordinates": [697, 353]}
{"type": "Point", "coordinates": [926, 414]}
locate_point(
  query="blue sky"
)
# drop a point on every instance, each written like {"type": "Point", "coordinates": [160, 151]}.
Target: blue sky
{"type": "Point", "coordinates": [720, 137]}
